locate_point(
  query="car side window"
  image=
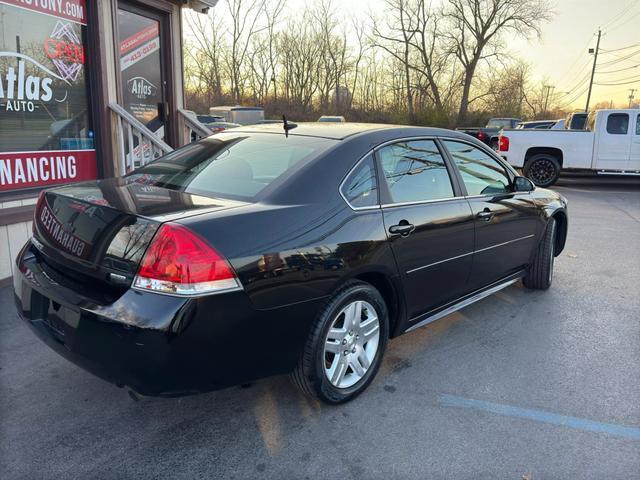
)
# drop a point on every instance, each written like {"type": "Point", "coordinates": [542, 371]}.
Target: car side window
{"type": "Point", "coordinates": [361, 187]}
{"type": "Point", "coordinates": [415, 171]}
{"type": "Point", "coordinates": [618, 124]}
{"type": "Point", "coordinates": [638, 125]}
{"type": "Point", "coordinates": [480, 173]}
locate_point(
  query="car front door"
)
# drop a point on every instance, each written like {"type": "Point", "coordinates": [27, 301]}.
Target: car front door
{"type": "Point", "coordinates": [506, 223]}
{"type": "Point", "coordinates": [429, 223]}
{"type": "Point", "coordinates": [613, 144]}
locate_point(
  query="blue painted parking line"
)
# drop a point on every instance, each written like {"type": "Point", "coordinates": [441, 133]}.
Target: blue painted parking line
{"type": "Point", "coordinates": [541, 416]}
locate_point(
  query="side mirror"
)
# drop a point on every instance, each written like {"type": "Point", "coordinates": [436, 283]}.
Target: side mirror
{"type": "Point", "coordinates": [522, 184]}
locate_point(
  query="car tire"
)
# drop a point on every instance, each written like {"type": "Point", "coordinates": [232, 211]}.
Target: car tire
{"type": "Point", "coordinates": [539, 275]}
{"type": "Point", "coordinates": [542, 169]}
{"type": "Point", "coordinates": [332, 377]}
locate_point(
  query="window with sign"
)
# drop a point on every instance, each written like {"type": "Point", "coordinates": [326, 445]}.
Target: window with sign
{"type": "Point", "coordinates": [46, 137]}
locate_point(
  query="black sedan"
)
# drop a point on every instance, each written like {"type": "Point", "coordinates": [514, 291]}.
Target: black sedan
{"type": "Point", "coordinates": [258, 252]}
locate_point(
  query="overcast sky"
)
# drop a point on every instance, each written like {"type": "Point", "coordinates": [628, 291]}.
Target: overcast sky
{"type": "Point", "coordinates": [560, 57]}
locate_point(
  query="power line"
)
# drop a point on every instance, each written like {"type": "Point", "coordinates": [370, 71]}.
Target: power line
{"type": "Point", "coordinates": [624, 79]}
{"type": "Point", "coordinates": [618, 70]}
{"type": "Point", "coordinates": [620, 59]}
{"type": "Point", "coordinates": [621, 48]}
{"type": "Point", "coordinates": [579, 84]}
{"type": "Point", "coordinates": [637, 80]}
{"type": "Point", "coordinates": [575, 62]}
{"type": "Point", "coordinates": [627, 20]}
{"type": "Point", "coordinates": [619, 15]}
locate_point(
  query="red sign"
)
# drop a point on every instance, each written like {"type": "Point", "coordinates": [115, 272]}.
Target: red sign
{"type": "Point", "coordinates": [61, 49]}
{"type": "Point", "coordinates": [74, 10]}
{"type": "Point", "coordinates": [47, 168]}
{"type": "Point", "coordinates": [138, 38]}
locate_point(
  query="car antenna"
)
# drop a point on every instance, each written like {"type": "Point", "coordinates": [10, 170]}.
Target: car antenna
{"type": "Point", "coordinates": [288, 126]}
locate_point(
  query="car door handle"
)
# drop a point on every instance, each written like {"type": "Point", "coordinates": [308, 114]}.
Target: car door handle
{"type": "Point", "coordinates": [404, 228]}
{"type": "Point", "coordinates": [485, 215]}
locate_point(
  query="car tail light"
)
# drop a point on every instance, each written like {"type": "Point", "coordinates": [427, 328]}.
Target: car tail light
{"type": "Point", "coordinates": [503, 143]}
{"type": "Point", "coordinates": [180, 262]}
{"type": "Point", "coordinates": [481, 136]}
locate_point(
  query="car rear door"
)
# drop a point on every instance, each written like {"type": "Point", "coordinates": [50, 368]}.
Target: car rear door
{"type": "Point", "coordinates": [429, 223]}
{"type": "Point", "coordinates": [613, 141]}
{"type": "Point", "coordinates": [506, 223]}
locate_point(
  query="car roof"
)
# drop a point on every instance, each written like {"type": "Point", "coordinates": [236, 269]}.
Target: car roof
{"type": "Point", "coordinates": [341, 131]}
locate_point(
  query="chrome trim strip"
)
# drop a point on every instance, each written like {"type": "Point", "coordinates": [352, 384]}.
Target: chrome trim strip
{"type": "Point", "coordinates": [468, 253]}
{"type": "Point", "coordinates": [504, 243]}
{"type": "Point", "coordinates": [420, 202]}
{"type": "Point", "coordinates": [433, 138]}
{"type": "Point", "coordinates": [439, 262]}
{"type": "Point", "coordinates": [464, 303]}
{"type": "Point", "coordinates": [188, 295]}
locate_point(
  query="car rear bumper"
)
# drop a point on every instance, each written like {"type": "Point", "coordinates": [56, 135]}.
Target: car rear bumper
{"type": "Point", "coordinates": [161, 345]}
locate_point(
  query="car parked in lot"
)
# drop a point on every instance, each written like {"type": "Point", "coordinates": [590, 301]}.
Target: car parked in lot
{"type": "Point", "coordinates": [610, 145]}
{"type": "Point", "coordinates": [254, 253]}
{"type": "Point", "coordinates": [221, 126]}
{"type": "Point", "coordinates": [489, 133]}
{"type": "Point", "coordinates": [576, 121]}
{"type": "Point", "coordinates": [332, 119]}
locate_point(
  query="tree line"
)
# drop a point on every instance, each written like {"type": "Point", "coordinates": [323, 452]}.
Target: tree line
{"type": "Point", "coordinates": [410, 62]}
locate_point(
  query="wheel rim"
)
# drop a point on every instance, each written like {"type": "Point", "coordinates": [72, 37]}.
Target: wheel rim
{"type": "Point", "coordinates": [542, 171]}
{"type": "Point", "coordinates": [351, 344]}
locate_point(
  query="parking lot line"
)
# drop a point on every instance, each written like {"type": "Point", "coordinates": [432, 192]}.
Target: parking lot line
{"type": "Point", "coordinates": [541, 416]}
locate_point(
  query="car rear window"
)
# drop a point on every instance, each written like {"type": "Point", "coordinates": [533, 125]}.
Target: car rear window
{"type": "Point", "coordinates": [498, 123]}
{"type": "Point", "coordinates": [232, 165]}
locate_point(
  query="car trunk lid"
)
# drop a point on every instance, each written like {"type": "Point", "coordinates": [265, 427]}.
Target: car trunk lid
{"type": "Point", "coordinates": [99, 231]}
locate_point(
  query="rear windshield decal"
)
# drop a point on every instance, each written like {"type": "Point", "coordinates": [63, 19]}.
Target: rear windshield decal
{"type": "Point", "coordinates": [60, 233]}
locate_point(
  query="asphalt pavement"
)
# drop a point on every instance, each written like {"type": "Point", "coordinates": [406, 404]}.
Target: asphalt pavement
{"type": "Point", "coordinates": [524, 384]}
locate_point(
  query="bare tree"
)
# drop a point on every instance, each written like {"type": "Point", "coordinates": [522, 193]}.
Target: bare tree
{"type": "Point", "coordinates": [476, 29]}
{"type": "Point", "coordinates": [204, 52]}
{"type": "Point", "coordinates": [396, 39]}
{"type": "Point", "coordinates": [245, 22]}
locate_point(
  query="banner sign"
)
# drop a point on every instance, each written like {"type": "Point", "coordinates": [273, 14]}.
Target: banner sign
{"type": "Point", "coordinates": [138, 38]}
{"type": "Point", "coordinates": [140, 53]}
{"type": "Point", "coordinates": [47, 168]}
{"type": "Point", "coordinates": [46, 136]}
{"type": "Point", "coordinates": [74, 10]}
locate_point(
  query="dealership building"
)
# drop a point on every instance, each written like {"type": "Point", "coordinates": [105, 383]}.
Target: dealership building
{"type": "Point", "coordinates": [88, 89]}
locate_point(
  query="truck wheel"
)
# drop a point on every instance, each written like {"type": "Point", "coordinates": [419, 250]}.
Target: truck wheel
{"type": "Point", "coordinates": [345, 347]}
{"type": "Point", "coordinates": [542, 169]}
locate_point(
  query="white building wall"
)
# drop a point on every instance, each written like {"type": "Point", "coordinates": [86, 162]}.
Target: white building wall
{"type": "Point", "coordinates": [12, 238]}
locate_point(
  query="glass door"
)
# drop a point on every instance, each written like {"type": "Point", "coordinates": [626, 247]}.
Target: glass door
{"type": "Point", "coordinates": [143, 69]}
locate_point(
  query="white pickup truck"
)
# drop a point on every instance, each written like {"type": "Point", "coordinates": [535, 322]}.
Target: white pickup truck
{"type": "Point", "coordinates": [610, 144]}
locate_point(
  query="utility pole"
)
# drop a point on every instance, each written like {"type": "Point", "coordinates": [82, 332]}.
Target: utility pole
{"type": "Point", "coordinates": [546, 100]}
{"type": "Point", "coordinates": [593, 70]}
{"type": "Point", "coordinates": [631, 96]}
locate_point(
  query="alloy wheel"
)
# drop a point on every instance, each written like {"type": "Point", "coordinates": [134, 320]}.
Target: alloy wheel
{"type": "Point", "coordinates": [542, 172]}
{"type": "Point", "coordinates": [351, 344]}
